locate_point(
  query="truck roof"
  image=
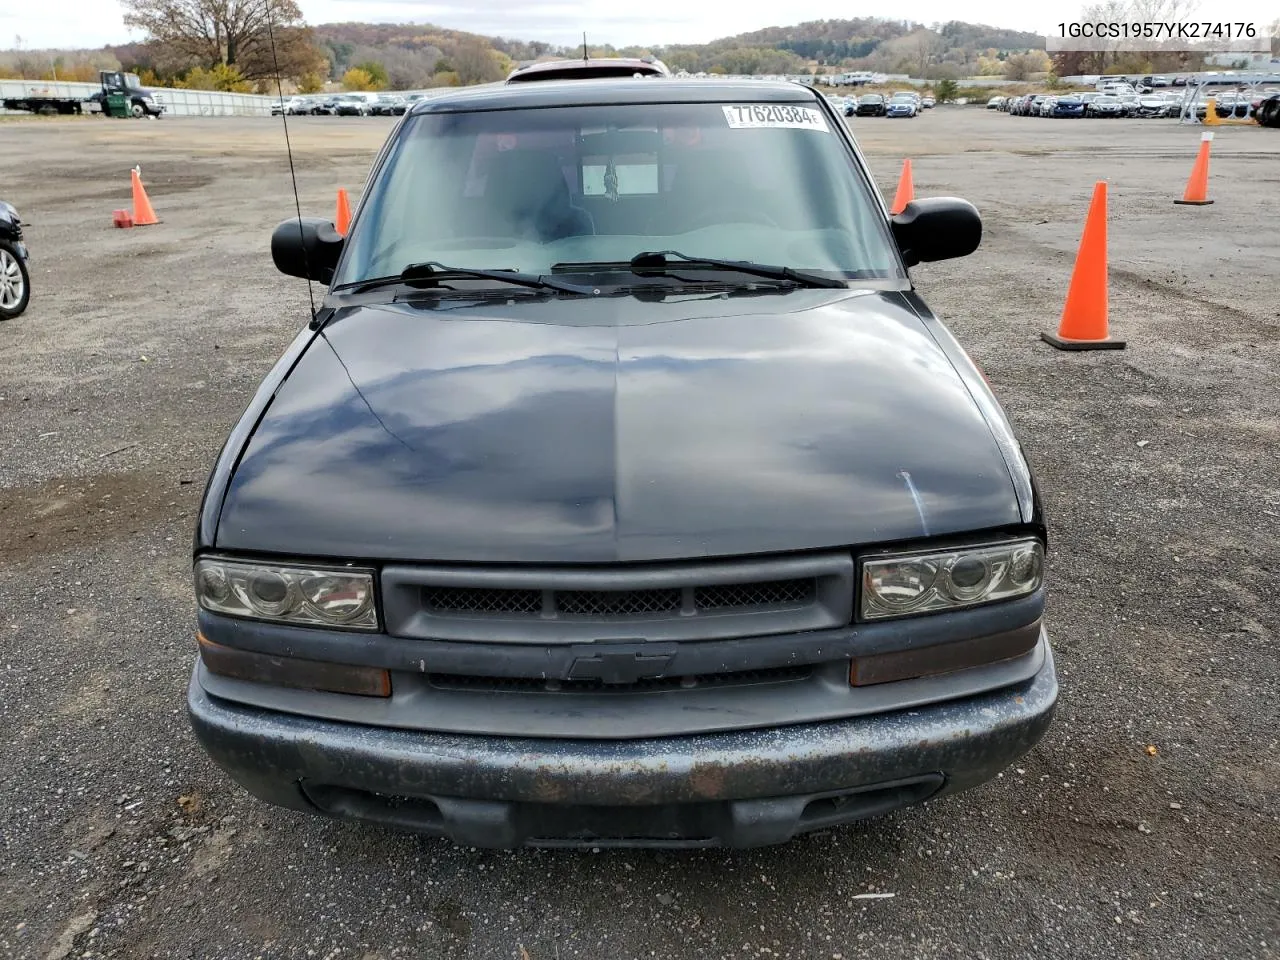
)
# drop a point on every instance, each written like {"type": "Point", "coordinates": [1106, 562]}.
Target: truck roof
{"type": "Point", "coordinates": [552, 93]}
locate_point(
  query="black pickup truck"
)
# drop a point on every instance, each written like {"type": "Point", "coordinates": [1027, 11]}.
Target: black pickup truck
{"type": "Point", "coordinates": [624, 491]}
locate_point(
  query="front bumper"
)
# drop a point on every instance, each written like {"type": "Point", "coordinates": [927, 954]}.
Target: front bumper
{"type": "Point", "coordinates": [738, 789]}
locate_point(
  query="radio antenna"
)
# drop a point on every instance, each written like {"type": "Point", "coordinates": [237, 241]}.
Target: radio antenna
{"type": "Point", "coordinates": [293, 176]}
{"type": "Point", "coordinates": [584, 46]}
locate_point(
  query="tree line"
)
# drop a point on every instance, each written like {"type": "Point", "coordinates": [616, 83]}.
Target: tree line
{"type": "Point", "coordinates": [239, 45]}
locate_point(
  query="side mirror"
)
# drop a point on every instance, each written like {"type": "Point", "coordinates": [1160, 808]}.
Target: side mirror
{"type": "Point", "coordinates": [937, 228]}
{"type": "Point", "coordinates": [306, 247]}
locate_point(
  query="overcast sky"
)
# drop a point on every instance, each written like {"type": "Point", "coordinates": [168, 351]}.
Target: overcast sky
{"type": "Point", "coordinates": [92, 23]}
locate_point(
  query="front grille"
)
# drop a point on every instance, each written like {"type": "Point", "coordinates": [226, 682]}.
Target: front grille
{"type": "Point", "coordinates": [474, 600]}
{"type": "Point", "coordinates": [677, 600]}
{"type": "Point", "coordinates": [615, 604]}
{"type": "Point", "coordinates": [773, 593]}
{"type": "Point", "coordinates": [472, 684]}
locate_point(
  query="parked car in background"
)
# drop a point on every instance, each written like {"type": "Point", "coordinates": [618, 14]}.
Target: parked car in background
{"type": "Point", "coordinates": [1068, 106]}
{"type": "Point", "coordinates": [295, 106]}
{"type": "Point", "coordinates": [871, 105]}
{"type": "Point", "coordinates": [1152, 106]}
{"type": "Point", "coordinates": [1105, 106]}
{"type": "Point", "coordinates": [15, 280]}
{"type": "Point", "coordinates": [351, 105]}
{"type": "Point", "coordinates": [901, 105]}
{"type": "Point", "coordinates": [995, 103]}
{"type": "Point", "coordinates": [928, 102]}
{"type": "Point", "coordinates": [324, 105]}
{"type": "Point", "coordinates": [1031, 107]}
{"type": "Point", "coordinates": [388, 105]}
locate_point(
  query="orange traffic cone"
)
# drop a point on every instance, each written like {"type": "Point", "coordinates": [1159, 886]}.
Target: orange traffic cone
{"type": "Point", "coordinates": [1197, 193]}
{"type": "Point", "coordinates": [143, 215]}
{"type": "Point", "coordinates": [343, 218]}
{"type": "Point", "coordinates": [906, 190]}
{"type": "Point", "coordinates": [1084, 316]}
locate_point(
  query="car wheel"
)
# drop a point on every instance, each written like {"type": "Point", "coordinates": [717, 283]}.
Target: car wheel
{"type": "Point", "coordinates": [138, 110]}
{"type": "Point", "coordinates": [15, 284]}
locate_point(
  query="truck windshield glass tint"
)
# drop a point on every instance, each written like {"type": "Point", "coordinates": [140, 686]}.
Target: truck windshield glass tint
{"type": "Point", "coordinates": [525, 189]}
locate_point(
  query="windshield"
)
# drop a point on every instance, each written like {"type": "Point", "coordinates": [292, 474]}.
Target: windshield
{"type": "Point", "coordinates": [527, 189]}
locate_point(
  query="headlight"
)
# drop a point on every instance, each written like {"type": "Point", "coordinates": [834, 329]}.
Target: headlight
{"type": "Point", "coordinates": [309, 596]}
{"type": "Point", "coordinates": [908, 584]}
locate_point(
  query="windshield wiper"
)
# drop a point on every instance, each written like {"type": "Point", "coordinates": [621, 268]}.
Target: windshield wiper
{"type": "Point", "coordinates": [431, 273]}
{"type": "Point", "coordinates": [657, 263]}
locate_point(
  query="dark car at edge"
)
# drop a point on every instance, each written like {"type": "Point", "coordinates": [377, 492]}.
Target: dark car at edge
{"type": "Point", "coordinates": [622, 490]}
{"type": "Point", "coordinates": [15, 279]}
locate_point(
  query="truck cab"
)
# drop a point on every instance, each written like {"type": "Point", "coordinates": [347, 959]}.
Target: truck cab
{"type": "Point", "coordinates": [143, 102]}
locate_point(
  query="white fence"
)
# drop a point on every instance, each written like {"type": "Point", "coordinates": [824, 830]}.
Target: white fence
{"type": "Point", "coordinates": [177, 103]}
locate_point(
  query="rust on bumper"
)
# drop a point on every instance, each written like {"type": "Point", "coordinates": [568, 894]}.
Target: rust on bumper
{"type": "Point", "coordinates": [743, 788]}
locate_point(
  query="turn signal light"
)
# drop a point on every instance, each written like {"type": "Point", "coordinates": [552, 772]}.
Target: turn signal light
{"type": "Point", "coordinates": [292, 672]}
{"type": "Point", "coordinates": [943, 657]}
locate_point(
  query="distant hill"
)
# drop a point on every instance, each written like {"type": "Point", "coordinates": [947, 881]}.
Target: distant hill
{"type": "Point", "coordinates": [412, 53]}
{"type": "Point", "coordinates": [414, 56]}
{"type": "Point", "coordinates": [870, 43]}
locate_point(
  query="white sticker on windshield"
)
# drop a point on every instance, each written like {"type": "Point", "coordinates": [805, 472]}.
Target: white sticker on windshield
{"type": "Point", "coordinates": [756, 116]}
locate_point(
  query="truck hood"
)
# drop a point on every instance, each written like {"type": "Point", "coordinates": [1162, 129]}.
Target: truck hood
{"type": "Point", "coordinates": [617, 430]}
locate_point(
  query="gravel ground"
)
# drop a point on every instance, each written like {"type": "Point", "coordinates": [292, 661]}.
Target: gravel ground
{"type": "Point", "coordinates": [1147, 824]}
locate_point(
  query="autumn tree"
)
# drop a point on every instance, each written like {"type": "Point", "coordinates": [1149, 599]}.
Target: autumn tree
{"type": "Point", "coordinates": [230, 33]}
{"type": "Point", "coordinates": [990, 67]}
{"type": "Point", "coordinates": [376, 71]}
{"type": "Point", "coordinates": [310, 83]}
{"type": "Point", "coordinates": [925, 47]}
{"type": "Point", "coordinates": [1022, 65]}
{"type": "Point", "coordinates": [476, 62]}
{"type": "Point", "coordinates": [357, 79]}
{"type": "Point", "coordinates": [220, 77]}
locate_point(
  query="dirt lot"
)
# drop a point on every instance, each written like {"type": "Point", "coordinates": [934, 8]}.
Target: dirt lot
{"type": "Point", "coordinates": [1146, 825]}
